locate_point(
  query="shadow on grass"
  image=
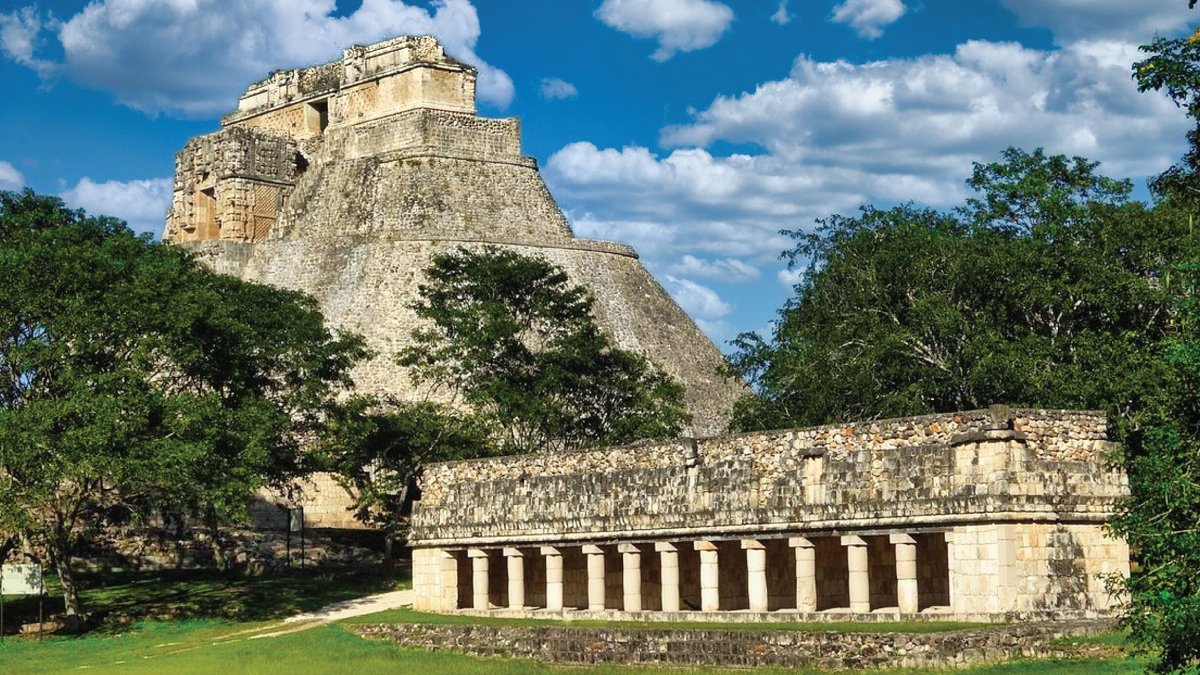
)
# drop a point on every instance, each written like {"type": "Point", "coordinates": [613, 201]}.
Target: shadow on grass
{"type": "Point", "coordinates": [116, 601]}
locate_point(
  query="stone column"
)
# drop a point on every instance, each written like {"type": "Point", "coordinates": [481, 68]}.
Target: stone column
{"type": "Point", "coordinates": [669, 564]}
{"type": "Point", "coordinates": [516, 578]}
{"type": "Point", "coordinates": [906, 572]}
{"type": "Point", "coordinates": [448, 581]}
{"type": "Point", "coordinates": [756, 568]}
{"type": "Point", "coordinates": [860, 585]}
{"type": "Point", "coordinates": [479, 578]}
{"type": "Point", "coordinates": [554, 578]}
{"type": "Point", "coordinates": [631, 576]}
{"type": "Point", "coordinates": [806, 573]}
{"type": "Point", "coordinates": [595, 577]}
{"type": "Point", "coordinates": [710, 576]}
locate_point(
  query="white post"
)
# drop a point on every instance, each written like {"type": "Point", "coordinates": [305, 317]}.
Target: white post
{"type": "Point", "coordinates": [669, 564]}
{"type": "Point", "coordinates": [710, 576]}
{"type": "Point", "coordinates": [756, 568]}
{"type": "Point", "coordinates": [479, 578]}
{"type": "Point", "coordinates": [631, 576]}
{"type": "Point", "coordinates": [516, 578]}
{"type": "Point", "coordinates": [595, 577]}
{"type": "Point", "coordinates": [860, 584]}
{"type": "Point", "coordinates": [806, 573]}
{"type": "Point", "coordinates": [554, 578]}
{"type": "Point", "coordinates": [906, 572]}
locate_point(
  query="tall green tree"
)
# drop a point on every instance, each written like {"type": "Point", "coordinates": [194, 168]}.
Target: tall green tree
{"type": "Point", "coordinates": [510, 338]}
{"type": "Point", "coordinates": [1047, 288]}
{"type": "Point", "coordinates": [132, 378]}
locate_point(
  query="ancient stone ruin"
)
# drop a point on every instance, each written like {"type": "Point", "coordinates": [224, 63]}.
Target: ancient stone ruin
{"type": "Point", "coordinates": [985, 515]}
{"type": "Point", "coordinates": [345, 179]}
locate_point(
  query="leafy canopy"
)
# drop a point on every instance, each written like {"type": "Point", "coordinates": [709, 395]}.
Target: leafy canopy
{"type": "Point", "coordinates": [1045, 289]}
{"type": "Point", "coordinates": [133, 379]}
{"type": "Point", "coordinates": [513, 340]}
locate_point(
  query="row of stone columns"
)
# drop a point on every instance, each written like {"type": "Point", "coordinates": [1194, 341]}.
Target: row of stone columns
{"type": "Point", "coordinates": [756, 567]}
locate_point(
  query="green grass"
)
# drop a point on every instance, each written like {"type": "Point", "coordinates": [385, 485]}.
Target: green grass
{"type": "Point", "coordinates": [333, 649]}
{"type": "Point", "coordinates": [409, 616]}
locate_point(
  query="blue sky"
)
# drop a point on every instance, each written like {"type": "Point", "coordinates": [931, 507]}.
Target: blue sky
{"type": "Point", "coordinates": [693, 129]}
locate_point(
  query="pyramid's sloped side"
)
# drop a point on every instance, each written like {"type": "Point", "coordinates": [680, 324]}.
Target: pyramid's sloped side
{"type": "Point", "coordinates": [366, 286]}
{"type": "Point", "coordinates": [424, 197]}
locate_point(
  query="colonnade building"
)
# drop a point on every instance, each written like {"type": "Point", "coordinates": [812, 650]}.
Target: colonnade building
{"type": "Point", "coordinates": [982, 515]}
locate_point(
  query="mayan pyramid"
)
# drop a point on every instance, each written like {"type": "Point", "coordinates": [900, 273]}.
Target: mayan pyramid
{"type": "Point", "coordinates": [343, 180]}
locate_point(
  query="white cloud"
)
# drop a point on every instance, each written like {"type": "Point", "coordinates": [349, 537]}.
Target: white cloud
{"type": "Point", "coordinates": [142, 204]}
{"type": "Point", "coordinates": [10, 178]}
{"type": "Point", "coordinates": [788, 278]}
{"type": "Point", "coordinates": [781, 15]}
{"type": "Point", "coordinates": [1072, 20]}
{"type": "Point", "coordinates": [730, 270]}
{"type": "Point", "coordinates": [555, 88]}
{"type": "Point", "coordinates": [678, 25]}
{"type": "Point", "coordinates": [835, 135]}
{"type": "Point", "coordinates": [699, 301]}
{"type": "Point", "coordinates": [193, 58]}
{"type": "Point", "coordinates": [868, 17]}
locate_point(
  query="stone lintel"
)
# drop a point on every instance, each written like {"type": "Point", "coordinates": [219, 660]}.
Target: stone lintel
{"type": "Point", "coordinates": [704, 545]}
{"type": "Point", "coordinates": [477, 553]}
{"type": "Point", "coordinates": [753, 544]}
{"type": "Point", "coordinates": [628, 548]}
{"type": "Point", "coordinates": [852, 540]}
{"type": "Point", "coordinates": [592, 549]}
{"type": "Point", "coordinates": [513, 552]}
{"type": "Point", "coordinates": [801, 542]}
{"type": "Point", "coordinates": [901, 538]}
{"type": "Point", "coordinates": [665, 546]}
{"type": "Point", "coordinates": [552, 551]}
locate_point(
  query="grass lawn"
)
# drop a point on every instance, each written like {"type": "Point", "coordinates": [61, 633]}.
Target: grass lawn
{"type": "Point", "coordinates": [199, 647]}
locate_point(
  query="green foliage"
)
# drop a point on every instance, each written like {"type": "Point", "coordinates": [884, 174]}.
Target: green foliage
{"type": "Point", "coordinates": [1043, 290]}
{"type": "Point", "coordinates": [378, 452]}
{"type": "Point", "coordinates": [1173, 67]}
{"type": "Point", "coordinates": [513, 340]}
{"type": "Point", "coordinates": [133, 379]}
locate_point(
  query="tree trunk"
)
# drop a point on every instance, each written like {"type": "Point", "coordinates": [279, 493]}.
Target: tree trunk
{"type": "Point", "coordinates": [219, 557]}
{"type": "Point", "coordinates": [70, 591]}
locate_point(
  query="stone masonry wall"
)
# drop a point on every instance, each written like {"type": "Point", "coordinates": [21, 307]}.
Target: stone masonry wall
{"type": "Point", "coordinates": [870, 475]}
{"type": "Point", "coordinates": [742, 649]}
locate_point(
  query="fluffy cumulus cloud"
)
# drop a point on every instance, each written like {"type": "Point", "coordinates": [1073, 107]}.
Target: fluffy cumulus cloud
{"type": "Point", "coordinates": [834, 135]}
{"type": "Point", "coordinates": [1073, 20]}
{"type": "Point", "coordinates": [868, 17]}
{"type": "Point", "coordinates": [788, 278]}
{"type": "Point", "coordinates": [781, 15]}
{"type": "Point", "coordinates": [142, 204]}
{"type": "Point", "coordinates": [194, 58]}
{"type": "Point", "coordinates": [555, 88]}
{"type": "Point", "coordinates": [697, 300]}
{"type": "Point", "coordinates": [10, 178]}
{"type": "Point", "coordinates": [678, 25]}
{"type": "Point", "coordinates": [729, 270]}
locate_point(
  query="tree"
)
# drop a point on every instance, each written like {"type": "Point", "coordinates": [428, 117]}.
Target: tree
{"type": "Point", "coordinates": [378, 451]}
{"type": "Point", "coordinates": [132, 378]}
{"type": "Point", "coordinates": [1047, 289]}
{"type": "Point", "coordinates": [510, 338]}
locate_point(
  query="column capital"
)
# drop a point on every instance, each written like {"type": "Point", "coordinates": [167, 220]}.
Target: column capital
{"type": "Point", "coordinates": [753, 544]}
{"type": "Point", "coordinates": [513, 552]}
{"type": "Point", "coordinates": [628, 548]}
{"type": "Point", "coordinates": [852, 540]}
{"type": "Point", "coordinates": [476, 553]}
{"type": "Point", "coordinates": [901, 538]}
{"type": "Point", "coordinates": [592, 549]}
{"type": "Point", "coordinates": [801, 542]}
{"type": "Point", "coordinates": [551, 551]}
{"type": "Point", "coordinates": [704, 545]}
{"type": "Point", "coordinates": [665, 547]}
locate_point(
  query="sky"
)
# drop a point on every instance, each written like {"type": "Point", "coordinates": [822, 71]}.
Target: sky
{"type": "Point", "coordinates": [694, 130]}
